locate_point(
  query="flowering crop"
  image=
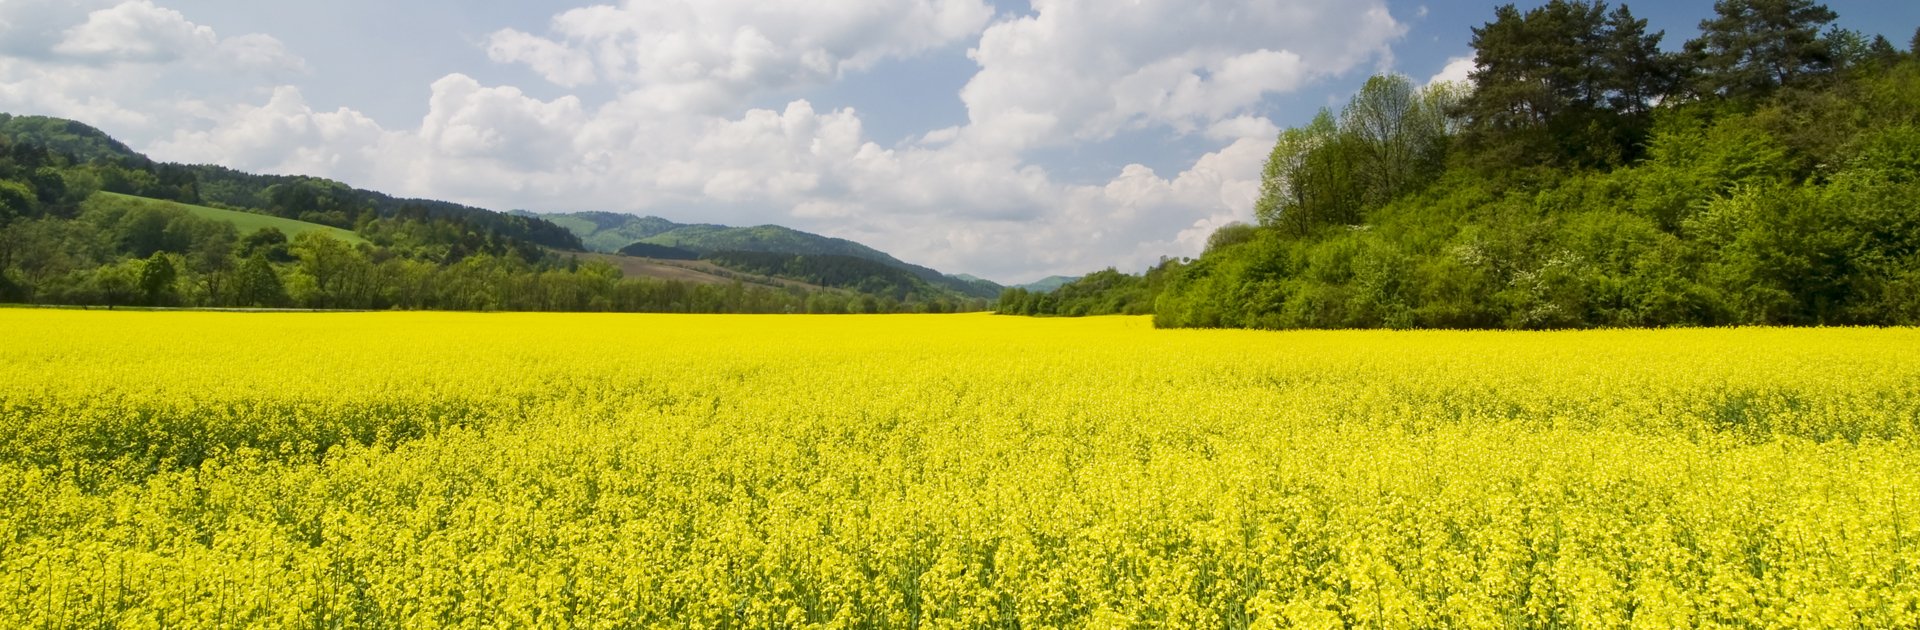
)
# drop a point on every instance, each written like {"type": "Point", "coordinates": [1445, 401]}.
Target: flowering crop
{"type": "Point", "coordinates": [494, 470]}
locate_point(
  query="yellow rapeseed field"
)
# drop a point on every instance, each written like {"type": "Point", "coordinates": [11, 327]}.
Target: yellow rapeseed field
{"type": "Point", "coordinates": [187, 470]}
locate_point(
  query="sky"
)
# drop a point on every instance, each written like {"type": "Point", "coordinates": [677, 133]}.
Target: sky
{"type": "Point", "coordinates": [1010, 140]}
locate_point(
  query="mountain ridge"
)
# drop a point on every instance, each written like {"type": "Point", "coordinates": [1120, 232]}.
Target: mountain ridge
{"type": "Point", "coordinates": [611, 232]}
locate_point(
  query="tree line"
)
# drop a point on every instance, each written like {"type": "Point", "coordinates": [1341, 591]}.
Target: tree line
{"type": "Point", "coordinates": [1765, 172]}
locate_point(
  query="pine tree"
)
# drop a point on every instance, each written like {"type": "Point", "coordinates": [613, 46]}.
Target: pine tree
{"type": "Point", "coordinates": [1753, 47]}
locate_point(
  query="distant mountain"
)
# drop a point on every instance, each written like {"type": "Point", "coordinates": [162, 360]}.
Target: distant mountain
{"type": "Point", "coordinates": [1046, 285]}
{"type": "Point", "coordinates": [606, 231]}
{"type": "Point", "coordinates": [614, 232]}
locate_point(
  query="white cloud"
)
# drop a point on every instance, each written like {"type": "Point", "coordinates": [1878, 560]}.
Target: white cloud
{"type": "Point", "coordinates": [136, 31]}
{"type": "Point", "coordinates": [1458, 70]}
{"type": "Point", "coordinates": [285, 135]}
{"type": "Point", "coordinates": [689, 55]}
{"type": "Point", "coordinates": [1080, 70]}
{"type": "Point", "coordinates": [135, 67]}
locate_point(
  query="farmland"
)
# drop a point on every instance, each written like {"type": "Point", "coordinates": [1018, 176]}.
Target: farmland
{"type": "Point", "coordinates": [181, 469]}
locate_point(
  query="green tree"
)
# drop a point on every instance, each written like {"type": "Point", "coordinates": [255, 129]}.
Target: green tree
{"type": "Point", "coordinates": [257, 284]}
{"type": "Point", "coordinates": [116, 284]}
{"type": "Point", "coordinates": [1393, 134]}
{"type": "Point", "coordinates": [1554, 84]}
{"type": "Point", "coordinates": [268, 241]}
{"type": "Point", "coordinates": [16, 200]}
{"type": "Point", "coordinates": [157, 276]}
{"type": "Point", "coordinates": [1752, 47]}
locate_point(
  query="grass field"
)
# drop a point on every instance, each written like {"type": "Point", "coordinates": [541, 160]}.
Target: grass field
{"type": "Point", "coordinates": [177, 469]}
{"type": "Point", "coordinates": [245, 222]}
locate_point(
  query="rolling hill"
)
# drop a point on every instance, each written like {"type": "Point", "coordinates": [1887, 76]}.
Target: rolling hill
{"type": "Point", "coordinates": [243, 222]}
{"type": "Point", "coordinates": [658, 237]}
{"type": "Point", "coordinates": [1047, 284]}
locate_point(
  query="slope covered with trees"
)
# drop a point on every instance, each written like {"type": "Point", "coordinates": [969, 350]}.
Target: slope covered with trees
{"type": "Point", "coordinates": [1765, 172]}
{"type": "Point", "coordinates": [86, 221]}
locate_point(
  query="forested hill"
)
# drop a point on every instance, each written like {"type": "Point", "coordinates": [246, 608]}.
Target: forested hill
{"type": "Point", "coordinates": [84, 220]}
{"type": "Point", "coordinates": [1767, 172]}
{"type": "Point", "coordinates": [107, 164]}
{"type": "Point", "coordinates": [657, 237]}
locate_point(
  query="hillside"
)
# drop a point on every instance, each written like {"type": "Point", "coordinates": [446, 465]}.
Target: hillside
{"type": "Point", "coordinates": [613, 232]}
{"type": "Point", "coordinates": [74, 138]}
{"type": "Point", "coordinates": [84, 220]}
{"type": "Point", "coordinates": [1047, 284]}
{"type": "Point", "coordinates": [110, 165]}
{"type": "Point", "coordinates": [243, 222]}
{"type": "Point", "coordinates": [606, 231]}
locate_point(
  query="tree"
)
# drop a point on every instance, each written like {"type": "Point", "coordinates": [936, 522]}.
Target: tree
{"type": "Point", "coordinates": [116, 284]}
{"type": "Point", "coordinates": [1753, 47]}
{"type": "Point", "coordinates": [336, 273]}
{"type": "Point", "coordinates": [256, 283]}
{"type": "Point", "coordinates": [268, 241]}
{"type": "Point", "coordinates": [16, 200]}
{"type": "Point", "coordinates": [157, 275]}
{"type": "Point", "coordinates": [1392, 133]}
{"type": "Point", "coordinates": [211, 258]}
{"type": "Point", "coordinates": [1228, 235]}
{"type": "Point", "coordinates": [1638, 74]}
{"type": "Point", "coordinates": [1555, 82]}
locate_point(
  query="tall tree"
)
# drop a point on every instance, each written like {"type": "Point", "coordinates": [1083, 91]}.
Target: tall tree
{"type": "Point", "coordinates": [1311, 179]}
{"type": "Point", "coordinates": [1637, 73]}
{"type": "Point", "coordinates": [157, 274]}
{"type": "Point", "coordinates": [1392, 133]}
{"type": "Point", "coordinates": [1554, 81]}
{"type": "Point", "coordinates": [1753, 47]}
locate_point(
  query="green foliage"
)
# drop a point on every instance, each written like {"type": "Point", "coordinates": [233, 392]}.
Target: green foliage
{"type": "Point", "coordinates": [1564, 85]}
{"type": "Point", "coordinates": [607, 231]}
{"type": "Point", "coordinates": [245, 222]}
{"type": "Point", "coordinates": [157, 277]}
{"type": "Point", "coordinates": [1753, 47]}
{"type": "Point", "coordinates": [842, 272]}
{"type": "Point", "coordinates": [84, 143]}
{"type": "Point", "coordinates": [16, 200]}
{"type": "Point", "coordinates": [1105, 292]}
{"type": "Point", "coordinates": [1788, 195]}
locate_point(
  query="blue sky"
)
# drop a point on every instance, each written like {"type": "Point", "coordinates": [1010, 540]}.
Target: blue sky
{"type": "Point", "coordinates": [1010, 140]}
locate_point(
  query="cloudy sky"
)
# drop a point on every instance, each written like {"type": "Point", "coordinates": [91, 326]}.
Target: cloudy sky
{"type": "Point", "coordinates": [1003, 138]}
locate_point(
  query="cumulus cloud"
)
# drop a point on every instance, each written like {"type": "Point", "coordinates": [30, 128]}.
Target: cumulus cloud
{"type": "Point", "coordinates": [132, 66]}
{"type": "Point", "coordinates": [286, 135]}
{"type": "Point", "coordinates": [1080, 70]}
{"type": "Point", "coordinates": [136, 31]}
{"type": "Point", "coordinates": [695, 54]}
{"type": "Point", "coordinates": [1458, 70]}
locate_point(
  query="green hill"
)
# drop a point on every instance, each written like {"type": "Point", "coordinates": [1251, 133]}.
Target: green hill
{"type": "Point", "coordinates": [244, 222]}
{"type": "Point", "coordinates": [80, 140]}
{"type": "Point", "coordinates": [84, 220]}
{"type": "Point", "coordinates": [613, 232]}
{"type": "Point", "coordinates": [606, 232]}
{"type": "Point", "coordinates": [1047, 284]}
